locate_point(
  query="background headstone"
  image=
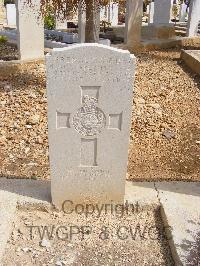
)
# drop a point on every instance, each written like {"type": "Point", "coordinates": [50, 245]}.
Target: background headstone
{"type": "Point", "coordinates": [134, 13]}
{"type": "Point", "coordinates": [90, 89]}
{"type": "Point", "coordinates": [61, 24]}
{"type": "Point", "coordinates": [11, 15]}
{"type": "Point", "coordinates": [182, 12]}
{"type": "Point", "coordinates": [151, 12]}
{"type": "Point", "coordinates": [81, 24]}
{"type": "Point", "coordinates": [162, 11]}
{"type": "Point", "coordinates": [193, 18]}
{"type": "Point", "coordinates": [30, 31]}
{"type": "Point", "coordinates": [109, 13]}
{"type": "Point", "coordinates": [147, 10]}
{"type": "Point", "coordinates": [114, 13]}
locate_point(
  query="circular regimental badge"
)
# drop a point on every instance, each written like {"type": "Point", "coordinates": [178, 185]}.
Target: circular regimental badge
{"type": "Point", "coordinates": [89, 119]}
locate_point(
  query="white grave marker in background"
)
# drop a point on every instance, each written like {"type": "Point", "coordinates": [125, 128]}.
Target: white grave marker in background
{"type": "Point", "coordinates": [162, 11]}
{"type": "Point", "coordinates": [151, 12]}
{"type": "Point", "coordinates": [81, 24]}
{"type": "Point", "coordinates": [114, 9]}
{"type": "Point", "coordinates": [133, 25]}
{"type": "Point", "coordinates": [11, 15]}
{"type": "Point", "coordinates": [30, 31]}
{"type": "Point", "coordinates": [193, 18]}
{"type": "Point", "coordinates": [182, 12]}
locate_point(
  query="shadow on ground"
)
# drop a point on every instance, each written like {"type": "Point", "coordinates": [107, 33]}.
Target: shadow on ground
{"type": "Point", "coordinates": [36, 189]}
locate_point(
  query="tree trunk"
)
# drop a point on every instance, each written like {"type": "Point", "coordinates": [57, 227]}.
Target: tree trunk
{"type": "Point", "coordinates": [92, 21]}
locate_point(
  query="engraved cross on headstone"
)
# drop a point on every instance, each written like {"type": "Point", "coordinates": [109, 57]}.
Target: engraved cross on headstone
{"type": "Point", "coordinates": [89, 121]}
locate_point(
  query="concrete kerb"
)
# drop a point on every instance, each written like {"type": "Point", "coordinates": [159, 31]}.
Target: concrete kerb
{"type": "Point", "coordinates": [192, 59]}
{"type": "Point", "coordinates": [157, 44]}
{"type": "Point", "coordinates": [16, 194]}
{"type": "Point", "coordinates": [180, 214]}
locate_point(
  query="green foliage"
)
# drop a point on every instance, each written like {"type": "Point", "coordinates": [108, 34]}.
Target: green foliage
{"type": "Point", "coordinates": [49, 21]}
{"type": "Point", "coordinates": [3, 39]}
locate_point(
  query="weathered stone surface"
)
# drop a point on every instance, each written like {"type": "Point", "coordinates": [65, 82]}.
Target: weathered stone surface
{"type": "Point", "coordinates": [30, 31]}
{"type": "Point", "coordinates": [89, 111]}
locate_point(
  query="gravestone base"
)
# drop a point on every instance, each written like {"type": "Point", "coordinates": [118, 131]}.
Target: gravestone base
{"type": "Point", "coordinates": [134, 46]}
{"type": "Point", "coordinates": [170, 43]}
{"type": "Point", "coordinates": [14, 66]}
{"type": "Point", "coordinates": [105, 192]}
{"type": "Point", "coordinates": [161, 31]}
{"type": "Point", "coordinates": [119, 31]}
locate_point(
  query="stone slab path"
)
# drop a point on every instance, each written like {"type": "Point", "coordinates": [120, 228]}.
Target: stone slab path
{"type": "Point", "coordinates": [181, 211]}
{"type": "Point", "coordinates": [179, 203]}
{"type": "Point", "coordinates": [8, 203]}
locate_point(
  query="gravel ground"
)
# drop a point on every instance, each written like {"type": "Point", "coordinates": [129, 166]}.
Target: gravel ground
{"type": "Point", "coordinates": [108, 240]}
{"type": "Point", "coordinates": [165, 134]}
{"type": "Point", "coordinates": [8, 52]}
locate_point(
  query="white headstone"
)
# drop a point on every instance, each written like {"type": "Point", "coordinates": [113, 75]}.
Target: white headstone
{"type": "Point", "coordinates": [193, 18]}
{"type": "Point", "coordinates": [182, 12]}
{"type": "Point", "coordinates": [103, 13]}
{"type": "Point", "coordinates": [61, 24]}
{"type": "Point", "coordinates": [114, 13]}
{"type": "Point", "coordinates": [162, 11]}
{"type": "Point", "coordinates": [151, 12]}
{"type": "Point", "coordinates": [30, 30]}
{"type": "Point", "coordinates": [134, 13]}
{"type": "Point", "coordinates": [11, 15]}
{"type": "Point", "coordinates": [109, 13]}
{"type": "Point", "coordinates": [90, 90]}
{"type": "Point", "coordinates": [148, 9]}
{"type": "Point", "coordinates": [81, 24]}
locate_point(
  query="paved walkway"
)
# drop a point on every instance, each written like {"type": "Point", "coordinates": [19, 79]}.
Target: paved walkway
{"type": "Point", "coordinates": [179, 201]}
